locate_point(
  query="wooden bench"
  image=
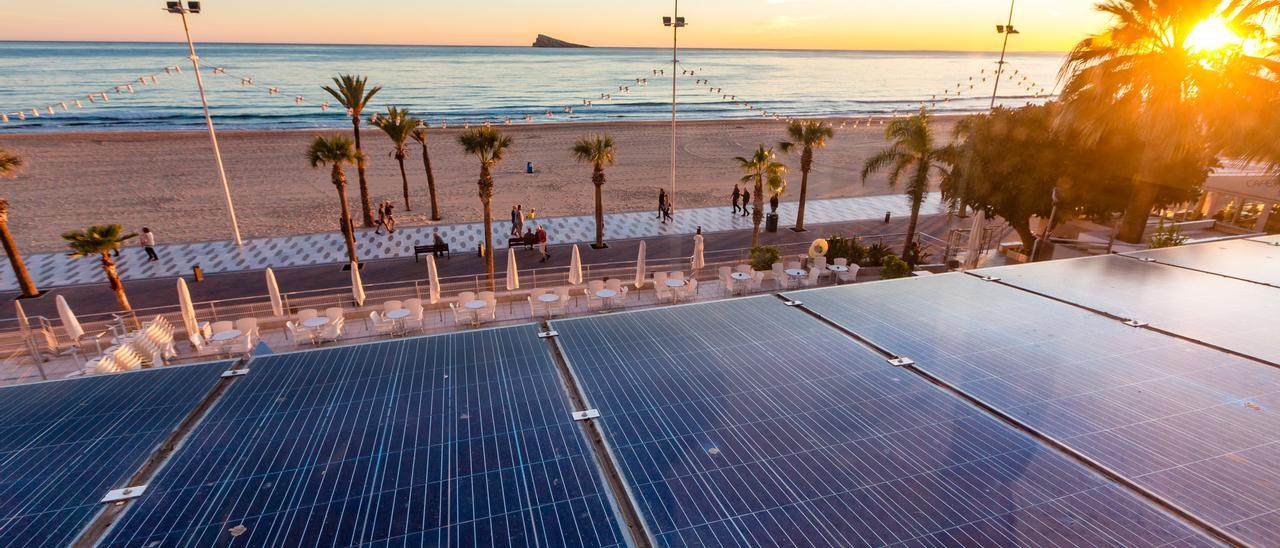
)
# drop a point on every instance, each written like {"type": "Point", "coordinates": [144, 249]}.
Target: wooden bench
{"type": "Point", "coordinates": [528, 244]}
{"type": "Point", "coordinates": [419, 250]}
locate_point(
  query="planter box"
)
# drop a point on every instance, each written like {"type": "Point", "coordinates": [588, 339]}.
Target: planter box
{"type": "Point", "coordinates": [1015, 254]}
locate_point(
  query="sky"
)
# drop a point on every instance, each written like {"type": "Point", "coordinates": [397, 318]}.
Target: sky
{"type": "Point", "coordinates": [964, 25]}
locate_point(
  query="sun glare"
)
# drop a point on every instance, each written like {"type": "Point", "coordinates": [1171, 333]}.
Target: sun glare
{"type": "Point", "coordinates": [1211, 35]}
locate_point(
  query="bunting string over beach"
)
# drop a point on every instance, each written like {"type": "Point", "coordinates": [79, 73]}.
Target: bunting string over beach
{"type": "Point", "coordinates": [92, 98]}
{"type": "Point", "coordinates": [272, 90]}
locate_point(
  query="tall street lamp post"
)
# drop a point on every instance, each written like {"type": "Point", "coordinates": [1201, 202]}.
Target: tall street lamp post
{"type": "Point", "coordinates": [980, 218]}
{"type": "Point", "coordinates": [182, 10]}
{"type": "Point", "coordinates": [675, 22]}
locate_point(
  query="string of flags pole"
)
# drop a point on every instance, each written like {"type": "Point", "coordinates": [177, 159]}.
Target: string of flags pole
{"type": "Point", "coordinates": [95, 97]}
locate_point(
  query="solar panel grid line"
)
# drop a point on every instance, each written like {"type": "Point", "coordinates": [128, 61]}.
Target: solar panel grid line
{"type": "Point", "coordinates": [1199, 270]}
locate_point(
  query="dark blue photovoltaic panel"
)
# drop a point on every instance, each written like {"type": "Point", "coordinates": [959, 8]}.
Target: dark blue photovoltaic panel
{"type": "Point", "coordinates": [64, 444]}
{"type": "Point", "coordinates": [463, 439]}
{"type": "Point", "coordinates": [748, 423]}
{"type": "Point", "coordinates": [1236, 258]}
{"type": "Point", "coordinates": [1198, 427]}
{"type": "Point", "coordinates": [1232, 314]}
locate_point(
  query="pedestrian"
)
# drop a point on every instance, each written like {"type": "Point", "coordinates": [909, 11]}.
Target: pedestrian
{"type": "Point", "coordinates": [519, 219]}
{"type": "Point", "coordinates": [515, 221]}
{"type": "Point", "coordinates": [382, 218]}
{"type": "Point", "coordinates": [737, 194]}
{"type": "Point", "coordinates": [746, 199]}
{"type": "Point", "coordinates": [662, 202]}
{"type": "Point", "coordinates": [438, 242]}
{"type": "Point", "coordinates": [773, 204]}
{"type": "Point", "coordinates": [389, 216]}
{"type": "Point", "coordinates": [148, 242]}
{"type": "Point", "coordinates": [542, 244]}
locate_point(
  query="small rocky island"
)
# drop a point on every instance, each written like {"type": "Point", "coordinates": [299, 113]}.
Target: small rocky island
{"type": "Point", "coordinates": [545, 41]}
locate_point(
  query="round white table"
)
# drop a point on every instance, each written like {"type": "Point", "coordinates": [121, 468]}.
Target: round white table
{"type": "Point", "coordinates": [796, 272]}
{"type": "Point", "coordinates": [740, 276]}
{"type": "Point", "coordinates": [398, 314]}
{"type": "Point", "coordinates": [837, 268]}
{"type": "Point", "coordinates": [549, 298]}
{"type": "Point", "coordinates": [475, 305]}
{"type": "Point", "coordinates": [675, 283]}
{"type": "Point", "coordinates": [230, 334]}
{"type": "Point", "coordinates": [606, 293]}
{"type": "Point", "coordinates": [318, 321]}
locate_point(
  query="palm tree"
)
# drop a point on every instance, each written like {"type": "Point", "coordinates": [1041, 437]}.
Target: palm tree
{"type": "Point", "coordinates": [419, 134]}
{"type": "Point", "coordinates": [101, 241]}
{"type": "Point", "coordinates": [596, 150]}
{"type": "Point", "coordinates": [349, 90]}
{"type": "Point", "coordinates": [1153, 68]}
{"type": "Point", "coordinates": [760, 167]}
{"type": "Point", "coordinates": [399, 125]}
{"type": "Point", "coordinates": [336, 151]}
{"type": "Point", "coordinates": [488, 145]}
{"type": "Point", "coordinates": [808, 136]}
{"type": "Point", "coordinates": [911, 151]}
{"type": "Point", "coordinates": [9, 165]}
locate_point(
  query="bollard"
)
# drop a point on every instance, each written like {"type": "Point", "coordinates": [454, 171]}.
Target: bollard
{"type": "Point", "coordinates": [886, 217]}
{"type": "Point", "coordinates": [198, 273]}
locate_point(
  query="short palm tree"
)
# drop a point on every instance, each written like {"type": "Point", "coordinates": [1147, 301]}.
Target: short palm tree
{"type": "Point", "coordinates": [1153, 68]}
{"type": "Point", "coordinates": [101, 241]}
{"type": "Point", "coordinates": [399, 126]}
{"type": "Point", "coordinates": [911, 152]}
{"type": "Point", "coordinates": [597, 151]}
{"type": "Point", "coordinates": [489, 146]}
{"type": "Point", "coordinates": [9, 165]}
{"type": "Point", "coordinates": [808, 136]}
{"type": "Point", "coordinates": [419, 134]}
{"type": "Point", "coordinates": [350, 91]}
{"type": "Point", "coordinates": [758, 169]}
{"type": "Point", "coordinates": [336, 151]}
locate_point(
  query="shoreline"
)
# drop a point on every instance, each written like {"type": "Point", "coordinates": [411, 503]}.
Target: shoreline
{"type": "Point", "coordinates": [166, 179]}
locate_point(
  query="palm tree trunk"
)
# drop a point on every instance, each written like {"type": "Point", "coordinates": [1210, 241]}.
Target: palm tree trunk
{"type": "Point", "coordinates": [486, 200]}
{"type": "Point", "coordinates": [806, 163]}
{"type": "Point", "coordinates": [598, 179]}
{"type": "Point", "coordinates": [911, 226]}
{"type": "Point", "coordinates": [344, 220]}
{"type": "Point", "coordinates": [431, 180]}
{"type": "Point", "coordinates": [366, 205]}
{"type": "Point", "coordinates": [757, 213]}
{"type": "Point", "coordinates": [15, 258]}
{"type": "Point", "coordinates": [404, 178]}
{"type": "Point", "coordinates": [1137, 211]}
{"type": "Point", "coordinates": [113, 279]}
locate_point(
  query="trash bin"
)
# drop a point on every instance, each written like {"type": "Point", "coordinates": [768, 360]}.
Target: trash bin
{"type": "Point", "coordinates": [197, 273]}
{"type": "Point", "coordinates": [771, 222]}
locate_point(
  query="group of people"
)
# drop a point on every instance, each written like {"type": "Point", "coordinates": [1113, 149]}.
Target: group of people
{"type": "Point", "coordinates": [664, 205]}
{"type": "Point", "coordinates": [532, 236]}
{"type": "Point", "coordinates": [386, 217]}
{"type": "Point", "coordinates": [742, 198]}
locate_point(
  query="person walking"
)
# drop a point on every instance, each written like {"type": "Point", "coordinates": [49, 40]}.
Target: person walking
{"type": "Point", "coordinates": [542, 244]}
{"type": "Point", "coordinates": [737, 194]}
{"type": "Point", "coordinates": [746, 199]}
{"type": "Point", "coordinates": [382, 218]}
{"type": "Point", "coordinates": [515, 221]}
{"type": "Point", "coordinates": [389, 216]}
{"type": "Point", "coordinates": [519, 219]}
{"type": "Point", "coordinates": [148, 242]}
{"type": "Point", "coordinates": [662, 202]}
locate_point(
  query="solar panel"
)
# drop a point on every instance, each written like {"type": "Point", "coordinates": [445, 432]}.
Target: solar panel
{"type": "Point", "coordinates": [461, 439]}
{"type": "Point", "coordinates": [1198, 427]}
{"type": "Point", "coordinates": [1227, 313]}
{"type": "Point", "coordinates": [746, 422]}
{"type": "Point", "coordinates": [1241, 259]}
{"type": "Point", "coordinates": [65, 444]}
{"type": "Point", "coordinates": [1273, 239]}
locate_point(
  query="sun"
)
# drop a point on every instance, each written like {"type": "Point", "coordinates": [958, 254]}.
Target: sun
{"type": "Point", "coordinates": [1211, 35]}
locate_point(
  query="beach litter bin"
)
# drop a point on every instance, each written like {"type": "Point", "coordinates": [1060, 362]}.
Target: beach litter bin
{"type": "Point", "coordinates": [771, 222]}
{"type": "Point", "coordinates": [197, 273]}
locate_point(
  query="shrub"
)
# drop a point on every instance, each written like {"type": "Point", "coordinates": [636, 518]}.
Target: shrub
{"type": "Point", "coordinates": [875, 254]}
{"type": "Point", "coordinates": [763, 257]}
{"type": "Point", "coordinates": [850, 249]}
{"type": "Point", "coordinates": [1167, 236]}
{"type": "Point", "coordinates": [917, 254]}
{"type": "Point", "coordinates": [893, 267]}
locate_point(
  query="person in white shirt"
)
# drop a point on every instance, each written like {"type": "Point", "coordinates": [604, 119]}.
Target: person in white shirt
{"type": "Point", "coordinates": [148, 242]}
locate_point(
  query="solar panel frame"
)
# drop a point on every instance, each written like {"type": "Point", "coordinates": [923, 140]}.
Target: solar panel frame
{"type": "Point", "coordinates": [1218, 311]}
{"type": "Point", "coordinates": [717, 444]}
{"type": "Point", "coordinates": [65, 443]}
{"type": "Point", "coordinates": [461, 438]}
{"type": "Point", "coordinates": [1241, 259]}
{"type": "Point", "coordinates": [1167, 414]}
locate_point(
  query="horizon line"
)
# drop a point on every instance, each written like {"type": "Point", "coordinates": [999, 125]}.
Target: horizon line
{"type": "Point", "coordinates": [238, 43]}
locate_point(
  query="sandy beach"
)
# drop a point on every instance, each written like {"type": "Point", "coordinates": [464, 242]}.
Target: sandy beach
{"type": "Point", "coordinates": [167, 180]}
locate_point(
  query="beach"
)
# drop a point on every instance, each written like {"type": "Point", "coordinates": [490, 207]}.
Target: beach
{"type": "Point", "coordinates": [168, 181]}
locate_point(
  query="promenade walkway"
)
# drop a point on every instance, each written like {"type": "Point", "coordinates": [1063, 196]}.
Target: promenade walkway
{"type": "Point", "coordinates": [52, 270]}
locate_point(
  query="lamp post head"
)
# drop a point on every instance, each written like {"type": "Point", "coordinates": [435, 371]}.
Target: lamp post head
{"type": "Point", "coordinates": [177, 7]}
{"type": "Point", "coordinates": [667, 22]}
{"type": "Point", "coordinates": [1003, 29]}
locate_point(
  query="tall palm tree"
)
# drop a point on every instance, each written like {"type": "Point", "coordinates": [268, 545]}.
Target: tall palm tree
{"type": "Point", "coordinates": [399, 125]}
{"type": "Point", "coordinates": [808, 136]}
{"type": "Point", "coordinates": [489, 146]}
{"type": "Point", "coordinates": [101, 241]}
{"type": "Point", "coordinates": [758, 169]}
{"type": "Point", "coordinates": [596, 150]}
{"type": "Point", "coordinates": [349, 90]}
{"type": "Point", "coordinates": [911, 151]}
{"type": "Point", "coordinates": [336, 151]}
{"type": "Point", "coordinates": [9, 165]}
{"type": "Point", "coordinates": [420, 135]}
{"type": "Point", "coordinates": [1153, 69]}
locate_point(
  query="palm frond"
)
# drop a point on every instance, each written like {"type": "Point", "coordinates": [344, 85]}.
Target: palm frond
{"type": "Point", "coordinates": [10, 163]}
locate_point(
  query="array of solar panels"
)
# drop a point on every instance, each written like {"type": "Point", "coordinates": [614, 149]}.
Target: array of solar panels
{"type": "Point", "coordinates": [1029, 418]}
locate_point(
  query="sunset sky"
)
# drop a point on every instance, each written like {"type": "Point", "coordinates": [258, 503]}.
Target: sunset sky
{"type": "Point", "coordinates": [1047, 25]}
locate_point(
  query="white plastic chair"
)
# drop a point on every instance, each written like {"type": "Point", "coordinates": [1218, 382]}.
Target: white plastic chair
{"type": "Point", "coordinates": [841, 261]}
{"type": "Point", "coordinates": [331, 332]}
{"type": "Point", "coordinates": [304, 315]}
{"type": "Point", "coordinates": [388, 306]}
{"type": "Point", "coordinates": [743, 268]}
{"type": "Point", "coordinates": [248, 327]}
{"type": "Point", "coordinates": [334, 313]}
{"type": "Point", "coordinates": [299, 333]}
{"type": "Point", "coordinates": [381, 326]}
{"type": "Point", "coordinates": [219, 327]}
{"type": "Point", "coordinates": [812, 279]}
{"type": "Point", "coordinates": [851, 275]}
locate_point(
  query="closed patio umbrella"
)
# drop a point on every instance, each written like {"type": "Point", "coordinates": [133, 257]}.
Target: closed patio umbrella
{"type": "Point", "coordinates": [357, 287]}
{"type": "Point", "coordinates": [575, 267]}
{"type": "Point", "coordinates": [640, 266]}
{"type": "Point", "coordinates": [23, 323]}
{"type": "Point", "coordinates": [698, 248]}
{"type": "Point", "coordinates": [434, 279]}
{"type": "Point", "coordinates": [273, 289]}
{"type": "Point", "coordinates": [70, 325]}
{"type": "Point", "coordinates": [513, 275]}
{"type": "Point", "coordinates": [187, 308]}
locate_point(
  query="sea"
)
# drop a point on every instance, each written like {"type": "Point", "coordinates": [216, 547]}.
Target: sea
{"type": "Point", "coordinates": [151, 86]}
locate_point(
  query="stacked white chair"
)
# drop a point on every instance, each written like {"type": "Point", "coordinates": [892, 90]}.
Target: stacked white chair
{"type": "Point", "coordinates": [381, 326]}
{"type": "Point", "coordinates": [594, 301]}
{"type": "Point", "coordinates": [615, 285]}
{"type": "Point", "coordinates": [537, 308]}
{"type": "Point", "coordinates": [490, 310]}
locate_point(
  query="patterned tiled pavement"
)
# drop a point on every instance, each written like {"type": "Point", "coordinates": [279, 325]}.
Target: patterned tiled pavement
{"type": "Point", "coordinates": [56, 269]}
